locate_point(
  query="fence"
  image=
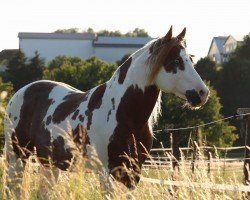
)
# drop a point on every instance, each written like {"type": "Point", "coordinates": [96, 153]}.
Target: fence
{"type": "Point", "coordinates": [171, 157]}
{"type": "Point", "coordinates": [1, 144]}
{"type": "Point", "coordinates": [163, 157]}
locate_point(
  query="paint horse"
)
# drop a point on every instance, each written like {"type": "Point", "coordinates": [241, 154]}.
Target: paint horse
{"type": "Point", "coordinates": [116, 118]}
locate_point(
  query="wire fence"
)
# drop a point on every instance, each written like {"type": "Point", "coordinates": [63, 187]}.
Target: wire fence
{"type": "Point", "coordinates": [235, 116]}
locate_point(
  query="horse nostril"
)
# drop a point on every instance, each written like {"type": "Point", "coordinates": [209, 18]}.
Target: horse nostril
{"type": "Point", "coordinates": [201, 93]}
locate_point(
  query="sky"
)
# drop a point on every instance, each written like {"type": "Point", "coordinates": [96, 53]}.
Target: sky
{"type": "Point", "coordinates": [203, 19]}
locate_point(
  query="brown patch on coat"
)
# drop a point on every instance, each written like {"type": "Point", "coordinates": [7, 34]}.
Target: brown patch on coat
{"type": "Point", "coordinates": [132, 117]}
{"type": "Point", "coordinates": [61, 157]}
{"type": "Point", "coordinates": [15, 118]}
{"type": "Point", "coordinates": [95, 102]}
{"type": "Point", "coordinates": [109, 113]}
{"type": "Point", "coordinates": [174, 61]}
{"type": "Point", "coordinates": [30, 130]}
{"type": "Point", "coordinates": [124, 69]}
{"type": "Point", "coordinates": [48, 120]}
{"type": "Point", "coordinates": [75, 114]}
{"type": "Point", "coordinates": [81, 118]}
{"type": "Point", "coordinates": [81, 138]}
{"type": "Point", "coordinates": [163, 53]}
{"type": "Point", "coordinates": [113, 103]}
{"type": "Point", "coordinates": [69, 105]}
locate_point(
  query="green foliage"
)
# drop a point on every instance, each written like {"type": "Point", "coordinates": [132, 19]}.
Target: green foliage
{"type": "Point", "coordinates": [137, 32]}
{"type": "Point", "coordinates": [173, 112]}
{"type": "Point", "coordinates": [109, 33]}
{"type": "Point", "coordinates": [7, 54]}
{"type": "Point", "coordinates": [4, 87]}
{"type": "Point", "coordinates": [21, 72]}
{"type": "Point", "coordinates": [234, 83]}
{"type": "Point", "coordinates": [82, 74]}
{"type": "Point", "coordinates": [70, 30]}
{"type": "Point", "coordinates": [243, 50]}
{"type": "Point", "coordinates": [208, 70]}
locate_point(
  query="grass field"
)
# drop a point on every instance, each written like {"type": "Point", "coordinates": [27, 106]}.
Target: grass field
{"type": "Point", "coordinates": [84, 184]}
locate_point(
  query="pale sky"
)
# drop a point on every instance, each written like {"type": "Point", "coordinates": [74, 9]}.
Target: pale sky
{"type": "Point", "coordinates": [203, 19]}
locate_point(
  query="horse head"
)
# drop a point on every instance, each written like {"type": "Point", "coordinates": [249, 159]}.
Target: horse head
{"type": "Point", "coordinates": [172, 69]}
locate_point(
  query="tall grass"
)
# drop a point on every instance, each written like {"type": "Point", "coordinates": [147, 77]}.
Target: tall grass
{"type": "Point", "coordinates": [85, 184]}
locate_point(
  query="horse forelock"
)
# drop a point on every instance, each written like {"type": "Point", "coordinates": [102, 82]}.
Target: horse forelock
{"type": "Point", "coordinates": [159, 50]}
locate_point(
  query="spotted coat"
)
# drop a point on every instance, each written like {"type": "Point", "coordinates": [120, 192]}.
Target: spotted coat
{"type": "Point", "coordinates": [115, 118]}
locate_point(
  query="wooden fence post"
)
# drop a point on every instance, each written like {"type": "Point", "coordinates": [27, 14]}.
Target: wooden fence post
{"type": "Point", "coordinates": [175, 141]}
{"type": "Point", "coordinates": [246, 120]}
{"type": "Point", "coordinates": [209, 162]}
{"type": "Point", "coordinates": [1, 144]}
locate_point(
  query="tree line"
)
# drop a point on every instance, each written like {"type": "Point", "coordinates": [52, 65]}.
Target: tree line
{"type": "Point", "coordinates": [137, 32]}
{"type": "Point", "coordinates": [229, 86]}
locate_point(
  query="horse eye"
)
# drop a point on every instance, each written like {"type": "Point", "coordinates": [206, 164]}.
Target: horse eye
{"type": "Point", "coordinates": [176, 62]}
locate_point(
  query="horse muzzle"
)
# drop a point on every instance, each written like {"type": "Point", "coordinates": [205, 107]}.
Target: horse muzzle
{"type": "Point", "coordinates": [197, 99]}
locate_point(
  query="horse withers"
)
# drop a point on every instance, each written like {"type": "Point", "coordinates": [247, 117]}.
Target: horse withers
{"type": "Point", "coordinates": [115, 118]}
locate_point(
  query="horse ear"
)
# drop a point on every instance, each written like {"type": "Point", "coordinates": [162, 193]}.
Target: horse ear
{"type": "Point", "coordinates": [168, 36]}
{"type": "Point", "coordinates": [182, 34]}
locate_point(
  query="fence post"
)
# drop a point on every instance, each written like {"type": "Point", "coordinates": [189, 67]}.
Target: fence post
{"type": "Point", "coordinates": [1, 144]}
{"type": "Point", "coordinates": [194, 158]}
{"type": "Point", "coordinates": [209, 162]}
{"type": "Point", "coordinates": [175, 141]}
{"type": "Point", "coordinates": [246, 120]}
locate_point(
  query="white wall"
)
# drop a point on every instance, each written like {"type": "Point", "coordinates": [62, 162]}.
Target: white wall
{"type": "Point", "coordinates": [50, 48]}
{"type": "Point", "coordinates": [214, 54]}
{"type": "Point", "coordinates": [230, 45]}
{"type": "Point", "coordinates": [112, 54]}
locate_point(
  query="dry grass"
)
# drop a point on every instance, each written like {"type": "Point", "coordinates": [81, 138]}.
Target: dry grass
{"type": "Point", "coordinates": [85, 184]}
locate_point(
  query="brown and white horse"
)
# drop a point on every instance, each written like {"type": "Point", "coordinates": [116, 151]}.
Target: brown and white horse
{"type": "Point", "coordinates": [115, 118]}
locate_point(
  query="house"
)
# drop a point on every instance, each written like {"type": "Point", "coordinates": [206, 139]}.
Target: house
{"type": "Point", "coordinates": [222, 47]}
{"type": "Point", "coordinates": [83, 45]}
{"type": "Point", "coordinates": [230, 45]}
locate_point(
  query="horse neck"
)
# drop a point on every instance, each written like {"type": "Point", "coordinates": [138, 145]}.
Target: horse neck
{"type": "Point", "coordinates": [138, 98]}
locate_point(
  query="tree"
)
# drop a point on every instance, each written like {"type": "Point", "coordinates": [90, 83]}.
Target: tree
{"type": "Point", "coordinates": [82, 74]}
{"type": "Point", "coordinates": [8, 88]}
{"type": "Point", "coordinates": [109, 33]}
{"type": "Point", "coordinates": [173, 112]}
{"type": "Point", "coordinates": [234, 83]}
{"type": "Point", "coordinates": [21, 72]}
{"type": "Point", "coordinates": [70, 30]}
{"type": "Point", "coordinates": [137, 32]}
{"type": "Point", "coordinates": [35, 68]}
{"type": "Point", "coordinates": [208, 70]}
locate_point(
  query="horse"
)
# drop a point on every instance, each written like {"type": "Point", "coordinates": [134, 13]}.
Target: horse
{"type": "Point", "coordinates": [115, 118]}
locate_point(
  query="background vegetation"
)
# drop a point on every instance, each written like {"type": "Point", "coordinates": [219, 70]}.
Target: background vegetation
{"type": "Point", "coordinates": [230, 86]}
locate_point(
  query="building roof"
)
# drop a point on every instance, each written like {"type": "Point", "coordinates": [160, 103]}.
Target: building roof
{"type": "Point", "coordinates": [219, 42]}
{"type": "Point", "coordinates": [99, 41]}
{"type": "Point", "coordinates": [71, 36]}
{"type": "Point", "coordinates": [121, 41]}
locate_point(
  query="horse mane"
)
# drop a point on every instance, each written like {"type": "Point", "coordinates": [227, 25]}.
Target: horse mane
{"type": "Point", "coordinates": [159, 51]}
{"type": "Point", "coordinates": [153, 119]}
